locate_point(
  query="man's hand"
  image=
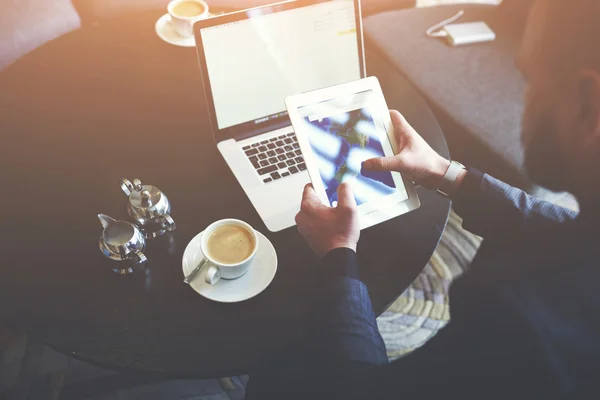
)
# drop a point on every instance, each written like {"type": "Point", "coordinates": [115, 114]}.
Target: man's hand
{"type": "Point", "coordinates": [415, 159]}
{"type": "Point", "coordinates": [326, 228]}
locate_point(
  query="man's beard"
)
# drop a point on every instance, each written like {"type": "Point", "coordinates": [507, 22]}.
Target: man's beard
{"type": "Point", "coordinates": [544, 160]}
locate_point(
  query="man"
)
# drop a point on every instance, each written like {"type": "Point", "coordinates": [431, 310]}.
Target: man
{"type": "Point", "coordinates": [526, 317]}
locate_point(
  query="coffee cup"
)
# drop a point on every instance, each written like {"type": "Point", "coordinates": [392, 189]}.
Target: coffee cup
{"type": "Point", "coordinates": [229, 246]}
{"type": "Point", "coordinates": [184, 13]}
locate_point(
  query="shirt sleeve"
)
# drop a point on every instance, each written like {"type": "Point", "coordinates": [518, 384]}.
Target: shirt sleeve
{"type": "Point", "coordinates": [345, 324]}
{"type": "Point", "coordinates": [492, 208]}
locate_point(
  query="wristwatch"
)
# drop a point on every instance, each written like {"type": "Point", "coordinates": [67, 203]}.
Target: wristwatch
{"type": "Point", "coordinates": [447, 185]}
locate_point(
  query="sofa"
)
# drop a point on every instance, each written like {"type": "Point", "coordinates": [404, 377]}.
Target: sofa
{"type": "Point", "coordinates": [475, 91]}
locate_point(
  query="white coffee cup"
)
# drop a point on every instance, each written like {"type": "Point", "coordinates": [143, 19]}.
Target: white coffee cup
{"type": "Point", "coordinates": [217, 270]}
{"type": "Point", "coordinates": [184, 25]}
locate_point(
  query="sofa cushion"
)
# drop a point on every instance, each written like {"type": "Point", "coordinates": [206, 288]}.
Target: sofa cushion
{"type": "Point", "coordinates": [476, 91]}
{"type": "Point", "coordinates": [27, 24]}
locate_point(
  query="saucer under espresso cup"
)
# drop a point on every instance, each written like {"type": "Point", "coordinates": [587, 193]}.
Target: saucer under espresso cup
{"type": "Point", "coordinates": [259, 275]}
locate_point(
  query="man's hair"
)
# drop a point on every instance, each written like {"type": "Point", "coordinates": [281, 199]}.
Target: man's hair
{"type": "Point", "coordinates": [570, 34]}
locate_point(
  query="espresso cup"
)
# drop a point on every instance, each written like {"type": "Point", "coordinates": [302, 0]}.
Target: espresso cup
{"type": "Point", "coordinates": [218, 238]}
{"type": "Point", "coordinates": [184, 13]}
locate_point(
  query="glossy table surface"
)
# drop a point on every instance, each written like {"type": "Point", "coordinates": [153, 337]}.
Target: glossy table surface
{"type": "Point", "coordinates": [113, 101]}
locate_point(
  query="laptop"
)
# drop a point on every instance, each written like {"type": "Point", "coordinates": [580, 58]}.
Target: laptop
{"type": "Point", "coordinates": [251, 61]}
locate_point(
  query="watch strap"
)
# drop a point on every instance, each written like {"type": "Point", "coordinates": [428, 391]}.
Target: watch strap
{"type": "Point", "coordinates": [447, 185]}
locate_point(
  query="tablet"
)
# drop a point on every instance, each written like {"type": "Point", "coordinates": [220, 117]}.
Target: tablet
{"type": "Point", "coordinates": [338, 128]}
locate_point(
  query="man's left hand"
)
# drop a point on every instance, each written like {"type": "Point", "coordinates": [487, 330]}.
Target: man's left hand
{"type": "Point", "coordinates": [328, 228]}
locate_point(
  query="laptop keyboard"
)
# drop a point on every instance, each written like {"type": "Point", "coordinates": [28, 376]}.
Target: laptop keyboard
{"type": "Point", "coordinates": [276, 158]}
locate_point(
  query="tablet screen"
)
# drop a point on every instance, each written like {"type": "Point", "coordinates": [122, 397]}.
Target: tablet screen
{"type": "Point", "coordinates": [344, 132]}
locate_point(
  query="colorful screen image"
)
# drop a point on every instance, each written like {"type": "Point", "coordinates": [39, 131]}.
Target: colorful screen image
{"type": "Point", "coordinates": [340, 144]}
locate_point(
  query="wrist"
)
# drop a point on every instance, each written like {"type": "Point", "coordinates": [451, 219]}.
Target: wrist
{"type": "Point", "coordinates": [439, 171]}
{"type": "Point", "coordinates": [339, 245]}
{"type": "Point", "coordinates": [452, 178]}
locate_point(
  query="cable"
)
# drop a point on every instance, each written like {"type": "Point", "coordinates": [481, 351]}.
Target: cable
{"type": "Point", "coordinates": [431, 32]}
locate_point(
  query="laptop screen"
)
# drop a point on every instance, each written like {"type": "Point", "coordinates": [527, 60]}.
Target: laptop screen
{"type": "Point", "coordinates": [253, 64]}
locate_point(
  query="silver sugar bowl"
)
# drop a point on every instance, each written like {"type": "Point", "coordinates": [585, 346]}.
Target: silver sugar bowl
{"type": "Point", "coordinates": [148, 206]}
{"type": "Point", "coordinates": [122, 241]}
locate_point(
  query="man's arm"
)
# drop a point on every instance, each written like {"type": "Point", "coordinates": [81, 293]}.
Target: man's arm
{"type": "Point", "coordinates": [489, 207]}
{"type": "Point", "coordinates": [343, 343]}
{"type": "Point", "coordinates": [492, 209]}
{"type": "Point", "coordinates": [344, 328]}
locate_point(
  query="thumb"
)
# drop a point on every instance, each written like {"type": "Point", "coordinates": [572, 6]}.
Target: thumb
{"type": "Point", "coordinates": [383, 164]}
{"type": "Point", "coordinates": [346, 196]}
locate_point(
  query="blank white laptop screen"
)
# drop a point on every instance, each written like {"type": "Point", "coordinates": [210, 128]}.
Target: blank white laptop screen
{"type": "Point", "coordinates": [254, 64]}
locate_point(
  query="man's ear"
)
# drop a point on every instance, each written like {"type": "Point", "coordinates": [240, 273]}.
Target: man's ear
{"type": "Point", "coordinates": [588, 91]}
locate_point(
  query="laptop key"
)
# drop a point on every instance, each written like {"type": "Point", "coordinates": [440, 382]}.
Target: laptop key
{"type": "Point", "coordinates": [281, 137]}
{"type": "Point", "coordinates": [288, 141]}
{"type": "Point", "coordinates": [267, 180]}
{"type": "Point", "coordinates": [295, 139]}
{"type": "Point", "coordinates": [299, 159]}
{"type": "Point", "coordinates": [291, 155]}
{"type": "Point", "coordinates": [256, 145]}
{"type": "Point", "coordinates": [280, 143]}
{"type": "Point", "coordinates": [288, 148]}
{"type": "Point", "coordinates": [291, 134]}
{"type": "Point", "coordinates": [275, 175]}
{"type": "Point", "coordinates": [273, 139]}
{"type": "Point", "coordinates": [290, 162]}
{"type": "Point", "coordinates": [264, 163]}
{"type": "Point", "coordinates": [298, 153]}
{"type": "Point", "coordinates": [302, 167]}
{"type": "Point", "coordinates": [296, 146]}
{"type": "Point", "coordinates": [285, 174]}
{"type": "Point", "coordinates": [282, 157]}
{"type": "Point", "coordinates": [271, 146]}
{"type": "Point", "coordinates": [281, 165]}
{"type": "Point", "coordinates": [293, 170]}
{"type": "Point", "coordinates": [264, 142]}
{"type": "Point", "coordinates": [273, 160]}
{"type": "Point", "coordinates": [251, 152]}
{"type": "Point", "coordinates": [246, 148]}
{"type": "Point", "coordinates": [279, 151]}
{"type": "Point", "coordinates": [267, 170]}
{"type": "Point", "coordinates": [262, 148]}
{"type": "Point", "coordinates": [255, 162]}
{"type": "Point", "coordinates": [262, 156]}
{"type": "Point", "coordinates": [271, 153]}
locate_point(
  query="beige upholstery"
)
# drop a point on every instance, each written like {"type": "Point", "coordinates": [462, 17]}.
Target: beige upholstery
{"type": "Point", "coordinates": [27, 24]}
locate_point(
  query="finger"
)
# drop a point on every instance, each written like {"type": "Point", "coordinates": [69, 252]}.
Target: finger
{"type": "Point", "coordinates": [310, 200]}
{"type": "Point", "coordinates": [398, 120]}
{"type": "Point", "coordinates": [383, 164]}
{"type": "Point", "coordinates": [300, 219]}
{"type": "Point", "coordinates": [346, 196]}
{"type": "Point", "coordinates": [400, 126]}
{"type": "Point", "coordinates": [303, 223]}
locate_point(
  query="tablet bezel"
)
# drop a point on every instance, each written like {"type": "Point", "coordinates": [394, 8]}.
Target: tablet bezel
{"type": "Point", "coordinates": [383, 208]}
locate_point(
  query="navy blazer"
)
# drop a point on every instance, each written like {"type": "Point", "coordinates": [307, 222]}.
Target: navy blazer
{"type": "Point", "coordinates": [525, 319]}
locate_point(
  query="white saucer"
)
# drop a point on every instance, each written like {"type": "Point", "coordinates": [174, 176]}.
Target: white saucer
{"type": "Point", "coordinates": [166, 32]}
{"type": "Point", "coordinates": [259, 275]}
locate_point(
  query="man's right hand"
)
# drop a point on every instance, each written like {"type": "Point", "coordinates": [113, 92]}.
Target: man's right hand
{"type": "Point", "coordinates": [415, 159]}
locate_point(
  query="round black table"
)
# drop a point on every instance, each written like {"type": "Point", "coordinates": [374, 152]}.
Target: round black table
{"type": "Point", "coordinates": [113, 101]}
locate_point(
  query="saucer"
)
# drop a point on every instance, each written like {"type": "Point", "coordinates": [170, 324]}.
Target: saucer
{"type": "Point", "coordinates": [166, 32]}
{"type": "Point", "coordinates": [259, 275]}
